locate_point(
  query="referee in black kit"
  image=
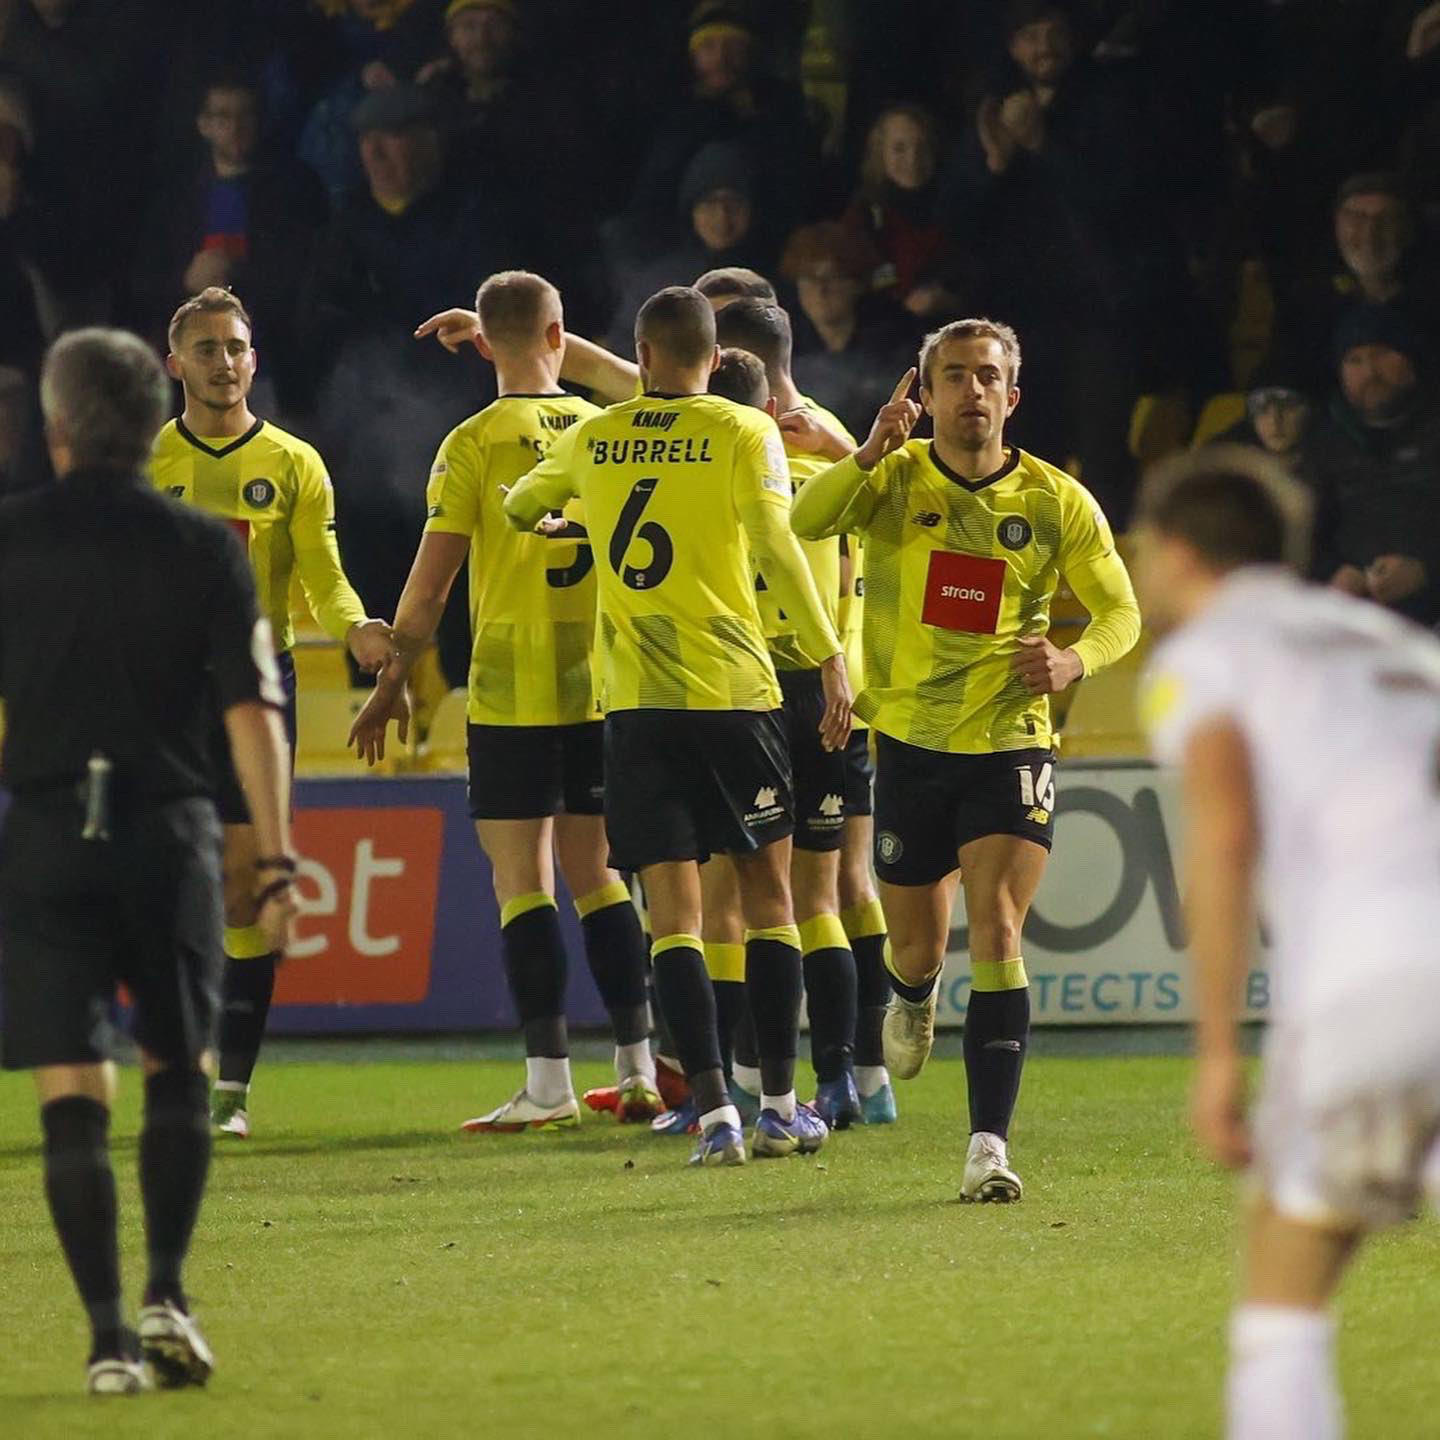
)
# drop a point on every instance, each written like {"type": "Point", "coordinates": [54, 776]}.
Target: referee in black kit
{"type": "Point", "coordinates": [124, 619]}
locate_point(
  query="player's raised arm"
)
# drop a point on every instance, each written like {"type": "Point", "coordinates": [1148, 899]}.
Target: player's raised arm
{"type": "Point", "coordinates": [549, 486]}
{"type": "Point", "coordinates": [454, 329]}
{"type": "Point", "coordinates": [842, 498]}
{"type": "Point", "coordinates": [332, 599]}
{"type": "Point", "coordinates": [599, 370]}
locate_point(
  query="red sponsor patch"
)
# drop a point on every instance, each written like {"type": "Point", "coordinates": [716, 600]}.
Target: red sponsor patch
{"type": "Point", "coordinates": [367, 890]}
{"type": "Point", "coordinates": [963, 592]}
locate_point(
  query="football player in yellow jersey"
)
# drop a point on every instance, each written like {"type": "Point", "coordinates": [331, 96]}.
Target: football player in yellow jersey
{"type": "Point", "coordinates": [965, 541]}
{"type": "Point", "coordinates": [535, 736]}
{"type": "Point", "coordinates": [827, 786]}
{"type": "Point", "coordinates": [681, 489]}
{"type": "Point", "coordinates": [272, 487]}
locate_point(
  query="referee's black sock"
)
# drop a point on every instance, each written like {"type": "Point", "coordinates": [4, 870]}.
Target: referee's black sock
{"type": "Point", "coordinates": [534, 952]}
{"type": "Point", "coordinates": [249, 988]}
{"type": "Point", "coordinates": [997, 1030]}
{"type": "Point", "coordinates": [615, 948]}
{"type": "Point", "coordinates": [683, 988]}
{"type": "Point", "coordinates": [830, 993]}
{"type": "Point", "coordinates": [773, 985]}
{"type": "Point", "coordinates": [865, 925]}
{"type": "Point", "coordinates": [80, 1186]}
{"type": "Point", "coordinates": [174, 1161]}
{"type": "Point", "coordinates": [725, 962]}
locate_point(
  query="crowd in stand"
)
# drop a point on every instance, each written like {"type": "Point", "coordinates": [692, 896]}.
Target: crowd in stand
{"type": "Point", "coordinates": [1163, 197]}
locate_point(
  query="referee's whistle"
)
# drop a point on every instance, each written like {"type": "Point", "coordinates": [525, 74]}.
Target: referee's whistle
{"type": "Point", "coordinates": [97, 798]}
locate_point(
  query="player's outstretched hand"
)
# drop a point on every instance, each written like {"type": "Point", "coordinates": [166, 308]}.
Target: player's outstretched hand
{"type": "Point", "coordinates": [372, 643]}
{"type": "Point", "coordinates": [388, 701]}
{"type": "Point", "coordinates": [892, 425]}
{"type": "Point", "coordinates": [1045, 668]}
{"type": "Point", "coordinates": [454, 329]}
{"type": "Point", "coordinates": [1217, 1110]}
{"type": "Point", "coordinates": [807, 434]}
{"type": "Point", "coordinates": [836, 721]}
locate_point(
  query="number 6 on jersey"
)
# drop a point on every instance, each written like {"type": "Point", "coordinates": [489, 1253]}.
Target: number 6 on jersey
{"type": "Point", "coordinates": [662, 549]}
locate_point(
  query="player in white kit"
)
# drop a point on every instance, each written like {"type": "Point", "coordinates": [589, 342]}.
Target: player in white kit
{"type": "Point", "coordinates": [1307, 729]}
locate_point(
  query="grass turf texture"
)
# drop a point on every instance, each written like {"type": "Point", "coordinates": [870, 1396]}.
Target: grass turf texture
{"type": "Point", "coordinates": [363, 1270]}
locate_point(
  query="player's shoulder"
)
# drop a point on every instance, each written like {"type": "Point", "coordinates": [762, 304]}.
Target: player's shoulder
{"type": "Point", "coordinates": [831, 419]}
{"type": "Point", "coordinates": [302, 457]}
{"type": "Point", "coordinates": [743, 420]}
{"type": "Point", "coordinates": [1030, 471]}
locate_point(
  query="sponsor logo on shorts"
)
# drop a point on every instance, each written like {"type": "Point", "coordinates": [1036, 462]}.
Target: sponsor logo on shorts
{"type": "Point", "coordinates": [829, 814]}
{"type": "Point", "coordinates": [259, 494]}
{"type": "Point", "coordinates": [767, 807]}
{"type": "Point", "coordinates": [1014, 532]}
{"type": "Point", "coordinates": [832, 805]}
{"type": "Point", "coordinates": [888, 846]}
{"type": "Point", "coordinates": [928, 518]}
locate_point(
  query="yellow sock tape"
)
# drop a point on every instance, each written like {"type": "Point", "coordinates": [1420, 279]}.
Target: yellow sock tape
{"type": "Point", "coordinates": [822, 932]}
{"type": "Point", "coordinates": [617, 892]}
{"type": "Point", "coordinates": [725, 961]}
{"type": "Point", "coordinates": [676, 942]}
{"type": "Point", "coordinates": [246, 942]}
{"type": "Point", "coordinates": [785, 934]}
{"type": "Point", "coordinates": [867, 918]}
{"type": "Point", "coordinates": [998, 974]}
{"type": "Point", "coordinates": [519, 905]}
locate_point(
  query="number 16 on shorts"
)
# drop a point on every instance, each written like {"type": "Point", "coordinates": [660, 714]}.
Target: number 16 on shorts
{"type": "Point", "coordinates": [1037, 785]}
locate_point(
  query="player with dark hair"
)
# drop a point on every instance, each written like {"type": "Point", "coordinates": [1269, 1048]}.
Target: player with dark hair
{"type": "Point", "coordinates": [681, 489]}
{"type": "Point", "coordinates": [273, 489]}
{"type": "Point", "coordinates": [1261, 679]}
{"type": "Point", "coordinates": [535, 735]}
{"type": "Point", "coordinates": [813, 438]}
{"type": "Point", "coordinates": [965, 541]}
{"type": "Point", "coordinates": [734, 282]}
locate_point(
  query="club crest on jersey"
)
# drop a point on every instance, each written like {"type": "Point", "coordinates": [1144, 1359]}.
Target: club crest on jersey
{"type": "Point", "coordinates": [1014, 532]}
{"type": "Point", "coordinates": [259, 494]}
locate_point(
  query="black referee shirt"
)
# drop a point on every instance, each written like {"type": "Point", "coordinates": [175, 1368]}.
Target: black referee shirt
{"type": "Point", "coordinates": [124, 619]}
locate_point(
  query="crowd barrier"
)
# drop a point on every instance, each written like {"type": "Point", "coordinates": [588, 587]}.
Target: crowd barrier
{"type": "Point", "coordinates": [398, 929]}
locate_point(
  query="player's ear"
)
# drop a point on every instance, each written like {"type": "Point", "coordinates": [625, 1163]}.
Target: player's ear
{"type": "Point", "coordinates": [172, 366]}
{"type": "Point", "coordinates": [715, 360]}
{"type": "Point", "coordinates": [485, 350]}
{"type": "Point", "coordinates": [555, 335]}
{"type": "Point", "coordinates": [254, 360]}
{"type": "Point", "coordinates": [925, 400]}
{"type": "Point", "coordinates": [772, 408]}
{"type": "Point", "coordinates": [1012, 400]}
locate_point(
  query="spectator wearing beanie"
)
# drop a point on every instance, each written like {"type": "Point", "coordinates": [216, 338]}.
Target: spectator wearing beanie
{"type": "Point", "coordinates": [1377, 467]}
{"type": "Point", "coordinates": [1279, 412]}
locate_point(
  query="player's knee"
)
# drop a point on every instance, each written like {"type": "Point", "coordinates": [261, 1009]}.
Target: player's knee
{"type": "Point", "coordinates": [917, 959]}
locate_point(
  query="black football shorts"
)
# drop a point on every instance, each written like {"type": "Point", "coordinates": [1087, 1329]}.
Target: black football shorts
{"type": "Point", "coordinates": [818, 774]}
{"type": "Point", "coordinates": [526, 772]}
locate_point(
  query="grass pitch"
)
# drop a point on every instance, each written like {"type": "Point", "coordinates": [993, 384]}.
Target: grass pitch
{"type": "Point", "coordinates": [365, 1271]}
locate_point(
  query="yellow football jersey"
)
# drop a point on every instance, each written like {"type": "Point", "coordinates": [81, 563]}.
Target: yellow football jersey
{"type": "Point", "coordinates": [273, 489]}
{"type": "Point", "coordinates": [956, 572]}
{"type": "Point", "coordinates": [823, 558]}
{"type": "Point", "coordinates": [532, 597]}
{"type": "Point", "coordinates": [684, 496]}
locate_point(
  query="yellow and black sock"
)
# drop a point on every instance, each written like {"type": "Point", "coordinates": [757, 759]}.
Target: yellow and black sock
{"type": "Point", "coordinates": [997, 1031]}
{"type": "Point", "coordinates": [683, 987]}
{"type": "Point", "coordinates": [534, 953]}
{"type": "Point", "coordinates": [830, 994]}
{"type": "Point", "coordinates": [615, 949]}
{"type": "Point", "coordinates": [725, 964]}
{"type": "Point", "coordinates": [865, 925]}
{"type": "Point", "coordinates": [772, 986]}
{"type": "Point", "coordinates": [245, 1008]}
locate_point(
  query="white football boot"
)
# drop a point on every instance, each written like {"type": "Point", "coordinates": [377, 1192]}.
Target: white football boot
{"type": "Point", "coordinates": [988, 1176]}
{"type": "Point", "coordinates": [520, 1112]}
{"type": "Point", "coordinates": [117, 1376]}
{"type": "Point", "coordinates": [171, 1341]}
{"type": "Point", "coordinates": [908, 1034]}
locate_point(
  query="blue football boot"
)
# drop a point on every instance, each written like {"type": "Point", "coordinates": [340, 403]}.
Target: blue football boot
{"type": "Point", "coordinates": [775, 1138]}
{"type": "Point", "coordinates": [683, 1120]}
{"type": "Point", "coordinates": [879, 1108]}
{"type": "Point", "coordinates": [747, 1104]}
{"type": "Point", "coordinates": [721, 1144]}
{"type": "Point", "coordinates": [837, 1103]}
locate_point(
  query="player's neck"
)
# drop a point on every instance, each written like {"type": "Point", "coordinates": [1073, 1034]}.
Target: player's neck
{"type": "Point", "coordinates": [786, 392]}
{"type": "Point", "coordinates": [207, 420]}
{"type": "Point", "coordinates": [525, 375]}
{"type": "Point", "coordinates": [668, 380]}
{"type": "Point", "coordinates": [972, 464]}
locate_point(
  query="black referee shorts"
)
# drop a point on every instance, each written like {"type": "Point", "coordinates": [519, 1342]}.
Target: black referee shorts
{"type": "Point", "coordinates": [229, 797]}
{"type": "Point", "coordinates": [526, 772]}
{"type": "Point", "coordinates": [688, 784]}
{"type": "Point", "coordinates": [79, 917]}
{"type": "Point", "coordinates": [818, 774]}
{"type": "Point", "coordinates": [928, 803]}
